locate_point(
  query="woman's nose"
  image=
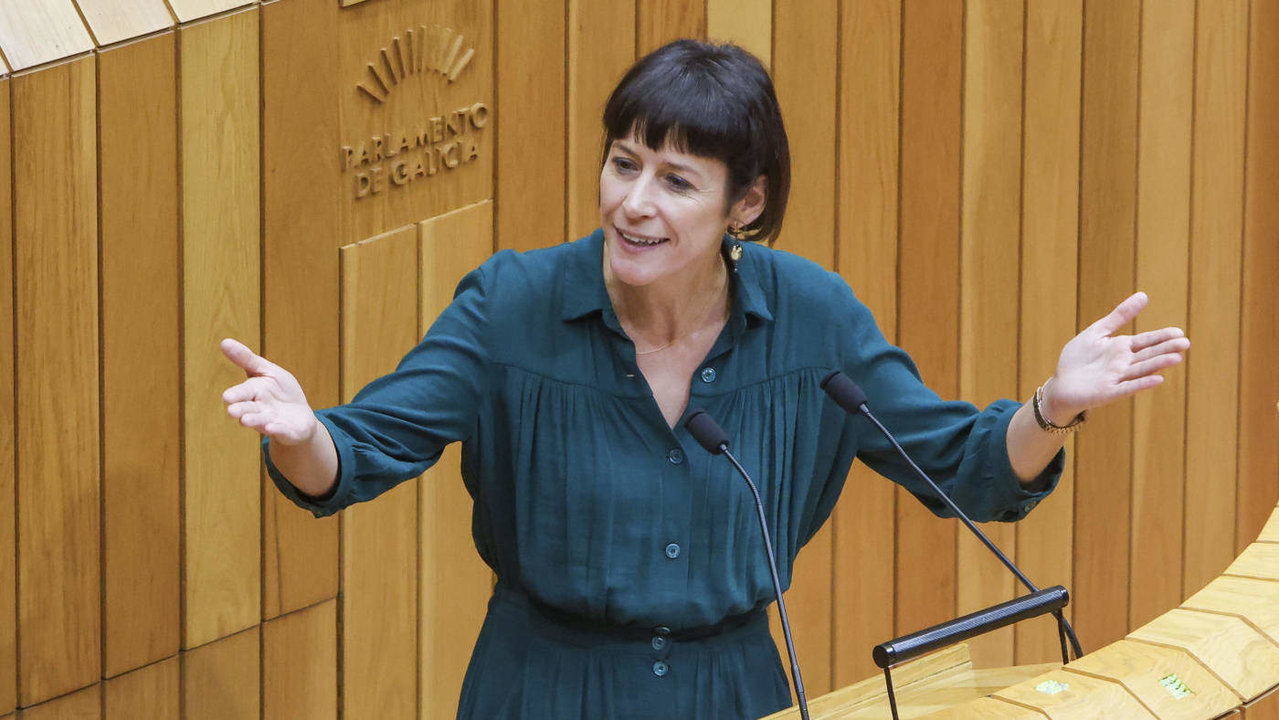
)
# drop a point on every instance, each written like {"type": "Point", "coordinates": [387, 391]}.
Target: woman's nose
{"type": "Point", "coordinates": [639, 200]}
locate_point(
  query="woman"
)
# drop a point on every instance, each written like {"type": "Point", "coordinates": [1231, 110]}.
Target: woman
{"type": "Point", "coordinates": [631, 581]}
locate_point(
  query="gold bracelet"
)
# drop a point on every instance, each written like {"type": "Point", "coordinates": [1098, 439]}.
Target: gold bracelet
{"type": "Point", "coordinates": [1048, 425]}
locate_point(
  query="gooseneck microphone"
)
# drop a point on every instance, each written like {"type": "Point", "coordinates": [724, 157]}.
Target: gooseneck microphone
{"type": "Point", "coordinates": [711, 436]}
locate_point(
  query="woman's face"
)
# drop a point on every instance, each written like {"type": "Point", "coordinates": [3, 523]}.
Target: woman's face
{"type": "Point", "coordinates": [663, 212]}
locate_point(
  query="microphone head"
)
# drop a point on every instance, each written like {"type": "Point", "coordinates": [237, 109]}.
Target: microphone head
{"type": "Point", "coordinates": [844, 392]}
{"type": "Point", "coordinates": [706, 432]}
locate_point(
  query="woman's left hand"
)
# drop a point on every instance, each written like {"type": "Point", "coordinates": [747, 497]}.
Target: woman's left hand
{"type": "Point", "coordinates": [1097, 366]}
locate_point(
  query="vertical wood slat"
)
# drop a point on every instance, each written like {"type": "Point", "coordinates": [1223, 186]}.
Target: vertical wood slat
{"type": "Point", "coordinates": [928, 290]}
{"type": "Point", "coordinates": [56, 272]}
{"type": "Point", "coordinates": [221, 680]}
{"type": "Point", "coordinates": [140, 347]}
{"type": "Point", "coordinates": [804, 39]}
{"type": "Point", "coordinates": [300, 201]}
{"type": "Point", "coordinates": [84, 704]}
{"type": "Point", "coordinates": [1049, 228]}
{"type": "Point", "coordinates": [1259, 340]}
{"type": "Point", "coordinates": [8, 488]}
{"type": "Point", "coordinates": [661, 21]}
{"type": "Point", "coordinates": [867, 175]}
{"type": "Point", "coordinates": [379, 539]}
{"type": "Point", "coordinates": [594, 68]}
{"type": "Point", "coordinates": [300, 664]}
{"type": "Point", "coordinates": [749, 24]}
{"type": "Point", "coordinates": [1108, 177]}
{"type": "Point", "coordinates": [220, 257]}
{"type": "Point", "coordinates": [1163, 242]}
{"type": "Point", "coordinates": [1212, 372]}
{"type": "Point", "coordinates": [451, 612]}
{"type": "Point", "coordinates": [990, 235]}
{"type": "Point", "coordinates": [151, 692]}
{"type": "Point", "coordinates": [530, 95]}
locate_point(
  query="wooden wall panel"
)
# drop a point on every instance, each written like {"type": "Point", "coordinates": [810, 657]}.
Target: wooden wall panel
{"type": "Point", "coordinates": [56, 272]}
{"type": "Point", "coordinates": [1163, 244]}
{"type": "Point", "coordinates": [220, 258]}
{"type": "Point", "coordinates": [594, 68]}
{"type": "Point", "coordinates": [990, 239]}
{"type": "Point", "coordinates": [140, 441]}
{"type": "Point", "coordinates": [220, 681]}
{"type": "Point", "coordinates": [83, 705]}
{"type": "Point", "coordinates": [113, 21]}
{"type": "Point", "coordinates": [867, 222]}
{"type": "Point", "coordinates": [1259, 341]}
{"type": "Point", "coordinates": [300, 198]}
{"type": "Point", "coordinates": [379, 539]}
{"type": "Point", "coordinates": [661, 21]}
{"type": "Point", "coordinates": [148, 693]}
{"type": "Point", "coordinates": [300, 664]}
{"type": "Point", "coordinates": [189, 10]}
{"type": "Point", "coordinates": [1212, 371]}
{"type": "Point", "coordinates": [531, 100]}
{"type": "Point", "coordinates": [1108, 181]}
{"type": "Point", "coordinates": [452, 612]}
{"type": "Point", "coordinates": [8, 488]}
{"type": "Point", "coordinates": [40, 31]}
{"type": "Point", "coordinates": [928, 290]}
{"type": "Point", "coordinates": [749, 24]}
{"type": "Point", "coordinates": [1049, 269]}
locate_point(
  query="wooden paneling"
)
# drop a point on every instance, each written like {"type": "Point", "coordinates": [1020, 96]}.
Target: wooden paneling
{"type": "Point", "coordinates": [220, 681]}
{"type": "Point", "coordinates": [8, 490]}
{"type": "Point", "coordinates": [83, 705]}
{"type": "Point", "coordinates": [300, 195]}
{"type": "Point", "coordinates": [149, 693]}
{"type": "Point", "coordinates": [928, 290]}
{"type": "Point", "coordinates": [530, 175]}
{"type": "Point", "coordinates": [188, 10]}
{"type": "Point", "coordinates": [990, 239]}
{"type": "Point", "coordinates": [1108, 181]}
{"type": "Point", "coordinates": [451, 612]}
{"type": "Point", "coordinates": [1049, 269]}
{"type": "Point", "coordinates": [40, 31]}
{"type": "Point", "coordinates": [220, 257]}
{"type": "Point", "coordinates": [1259, 341]}
{"type": "Point", "coordinates": [749, 24]}
{"type": "Point", "coordinates": [1212, 371]}
{"type": "Point", "coordinates": [594, 68]}
{"type": "Point", "coordinates": [56, 272]}
{"type": "Point", "coordinates": [379, 539]}
{"type": "Point", "coordinates": [112, 21]}
{"type": "Point", "coordinates": [140, 441]}
{"type": "Point", "coordinates": [661, 21]}
{"type": "Point", "coordinates": [300, 664]}
{"type": "Point", "coordinates": [867, 176]}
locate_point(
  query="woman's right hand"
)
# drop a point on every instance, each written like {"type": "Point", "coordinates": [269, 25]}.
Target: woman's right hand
{"type": "Point", "coordinates": [270, 401]}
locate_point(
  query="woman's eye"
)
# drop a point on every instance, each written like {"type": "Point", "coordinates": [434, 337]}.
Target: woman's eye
{"type": "Point", "coordinates": [623, 164]}
{"type": "Point", "coordinates": [679, 183]}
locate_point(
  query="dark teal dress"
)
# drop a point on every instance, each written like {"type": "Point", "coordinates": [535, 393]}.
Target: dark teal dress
{"type": "Point", "coordinates": [631, 580]}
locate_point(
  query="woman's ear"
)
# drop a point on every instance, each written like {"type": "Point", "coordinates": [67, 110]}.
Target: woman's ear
{"type": "Point", "coordinates": [748, 208]}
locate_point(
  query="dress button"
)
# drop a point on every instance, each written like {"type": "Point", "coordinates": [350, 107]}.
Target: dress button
{"type": "Point", "coordinates": [708, 374]}
{"type": "Point", "coordinates": [659, 642]}
{"type": "Point", "coordinates": [660, 668]}
{"type": "Point", "coordinates": [676, 456]}
{"type": "Point", "coordinates": [672, 551]}
{"type": "Point", "coordinates": [662, 630]}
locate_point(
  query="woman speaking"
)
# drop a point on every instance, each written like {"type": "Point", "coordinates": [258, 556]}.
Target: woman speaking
{"type": "Point", "coordinates": [631, 583]}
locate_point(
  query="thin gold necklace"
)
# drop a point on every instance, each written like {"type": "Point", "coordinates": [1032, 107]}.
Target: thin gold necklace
{"type": "Point", "coordinates": [696, 328]}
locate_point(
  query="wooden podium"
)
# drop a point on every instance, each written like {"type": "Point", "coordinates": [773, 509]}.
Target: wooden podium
{"type": "Point", "coordinates": [1217, 655]}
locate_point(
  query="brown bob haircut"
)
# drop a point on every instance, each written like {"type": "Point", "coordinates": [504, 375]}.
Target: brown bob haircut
{"type": "Point", "coordinates": [714, 101]}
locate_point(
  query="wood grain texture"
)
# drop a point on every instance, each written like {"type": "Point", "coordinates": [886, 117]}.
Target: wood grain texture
{"type": "Point", "coordinates": [661, 21]}
{"type": "Point", "coordinates": [148, 693]}
{"type": "Point", "coordinates": [40, 31]}
{"type": "Point", "coordinates": [1049, 273]}
{"type": "Point", "coordinates": [452, 611]}
{"type": "Point", "coordinates": [300, 664]}
{"type": "Point", "coordinates": [864, 521]}
{"type": "Point", "coordinates": [113, 21]}
{"type": "Point", "coordinates": [1258, 560]}
{"type": "Point", "coordinates": [990, 253]}
{"type": "Point", "coordinates": [1140, 668]}
{"type": "Point", "coordinates": [1256, 601]}
{"type": "Point", "coordinates": [140, 339]}
{"type": "Point", "coordinates": [1233, 651]}
{"type": "Point", "coordinates": [379, 539]}
{"type": "Point", "coordinates": [218, 72]}
{"type": "Point", "coordinates": [594, 68]}
{"type": "Point", "coordinates": [8, 488]}
{"type": "Point", "coordinates": [1216, 253]}
{"type": "Point", "coordinates": [56, 274]}
{"type": "Point", "coordinates": [928, 319]}
{"type": "Point", "coordinates": [220, 681]}
{"type": "Point", "coordinates": [188, 10]}
{"type": "Point", "coordinates": [85, 704]}
{"type": "Point", "coordinates": [749, 24]}
{"type": "Point", "coordinates": [1259, 336]}
{"type": "Point", "coordinates": [300, 199]}
{"type": "Point", "coordinates": [1265, 707]}
{"type": "Point", "coordinates": [1108, 180]}
{"type": "Point", "coordinates": [1085, 697]}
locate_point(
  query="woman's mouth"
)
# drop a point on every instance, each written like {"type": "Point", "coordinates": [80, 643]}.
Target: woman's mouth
{"type": "Point", "coordinates": [641, 240]}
